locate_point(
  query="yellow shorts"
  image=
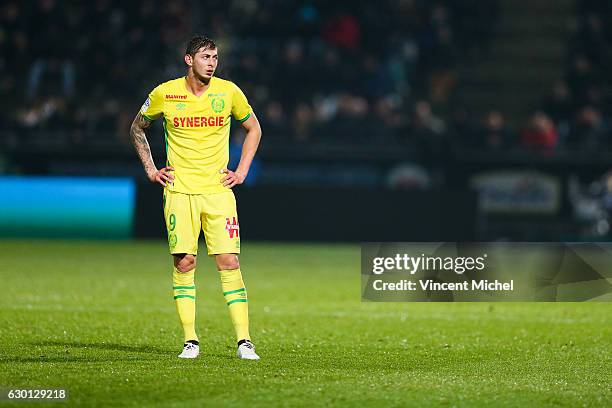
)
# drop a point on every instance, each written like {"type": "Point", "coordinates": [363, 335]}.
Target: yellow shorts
{"type": "Point", "coordinates": [213, 213]}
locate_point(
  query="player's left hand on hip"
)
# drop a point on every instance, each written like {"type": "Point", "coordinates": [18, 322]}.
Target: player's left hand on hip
{"type": "Point", "coordinates": [231, 178]}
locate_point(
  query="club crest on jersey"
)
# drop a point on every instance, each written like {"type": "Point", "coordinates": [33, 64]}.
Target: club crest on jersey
{"type": "Point", "coordinates": [232, 227]}
{"type": "Point", "coordinates": [217, 104]}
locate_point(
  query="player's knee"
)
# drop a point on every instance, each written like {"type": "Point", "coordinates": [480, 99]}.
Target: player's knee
{"type": "Point", "coordinates": [227, 261]}
{"type": "Point", "coordinates": [185, 262]}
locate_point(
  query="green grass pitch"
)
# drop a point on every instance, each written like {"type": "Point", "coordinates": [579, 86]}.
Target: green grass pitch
{"type": "Point", "coordinates": [98, 319]}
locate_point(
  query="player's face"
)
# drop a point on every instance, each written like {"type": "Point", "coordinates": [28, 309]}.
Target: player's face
{"type": "Point", "coordinates": [205, 63]}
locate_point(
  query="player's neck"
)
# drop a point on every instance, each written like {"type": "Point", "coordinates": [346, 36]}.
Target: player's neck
{"type": "Point", "coordinates": [195, 85]}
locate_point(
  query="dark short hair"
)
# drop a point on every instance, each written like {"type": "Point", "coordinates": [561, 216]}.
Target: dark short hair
{"type": "Point", "coordinates": [197, 42]}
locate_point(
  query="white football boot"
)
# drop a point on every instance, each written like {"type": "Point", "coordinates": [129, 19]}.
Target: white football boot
{"type": "Point", "coordinates": [190, 350]}
{"type": "Point", "coordinates": [246, 350]}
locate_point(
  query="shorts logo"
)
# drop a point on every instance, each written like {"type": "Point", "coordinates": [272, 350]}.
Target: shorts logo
{"type": "Point", "coordinates": [172, 240]}
{"type": "Point", "coordinates": [217, 104]}
{"type": "Point", "coordinates": [232, 227]}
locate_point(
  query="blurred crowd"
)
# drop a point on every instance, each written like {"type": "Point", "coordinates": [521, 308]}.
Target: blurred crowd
{"type": "Point", "coordinates": [76, 69]}
{"type": "Point", "coordinates": [579, 108]}
{"type": "Point", "coordinates": [576, 114]}
{"type": "Point", "coordinates": [316, 72]}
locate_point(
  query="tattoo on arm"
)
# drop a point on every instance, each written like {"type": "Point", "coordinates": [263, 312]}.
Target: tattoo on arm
{"type": "Point", "coordinates": [139, 140]}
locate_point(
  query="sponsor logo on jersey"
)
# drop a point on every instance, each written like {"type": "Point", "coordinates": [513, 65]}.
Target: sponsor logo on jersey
{"type": "Point", "coordinates": [198, 121]}
{"type": "Point", "coordinates": [175, 97]}
{"type": "Point", "coordinates": [180, 106]}
{"type": "Point", "coordinates": [232, 227]}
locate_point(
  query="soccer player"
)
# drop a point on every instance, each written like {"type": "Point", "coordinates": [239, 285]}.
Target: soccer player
{"type": "Point", "coordinates": [196, 111]}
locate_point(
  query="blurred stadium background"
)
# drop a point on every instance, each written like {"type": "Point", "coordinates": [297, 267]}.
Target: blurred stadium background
{"type": "Point", "coordinates": [387, 120]}
{"type": "Point", "coordinates": [393, 120]}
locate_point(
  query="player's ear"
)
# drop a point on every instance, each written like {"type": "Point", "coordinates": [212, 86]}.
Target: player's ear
{"type": "Point", "coordinates": [188, 59]}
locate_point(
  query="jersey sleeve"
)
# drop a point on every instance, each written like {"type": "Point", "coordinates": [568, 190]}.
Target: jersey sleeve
{"type": "Point", "coordinates": [241, 110]}
{"type": "Point", "coordinates": [153, 107]}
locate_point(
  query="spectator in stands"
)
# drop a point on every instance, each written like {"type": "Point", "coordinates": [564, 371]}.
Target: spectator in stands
{"type": "Point", "coordinates": [590, 130]}
{"type": "Point", "coordinates": [495, 134]}
{"type": "Point", "coordinates": [463, 129]}
{"type": "Point", "coordinates": [296, 75]}
{"type": "Point", "coordinates": [428, 130]}
{"type": "Point", "coordinates": [351, 122]}
{"type": "Point", "coordinates": [559, 105]}
{"type": "Point", "coordinates": [387, 111]}
{"type": "Point", "coordinates": [540, 133]}
{"type": "Point", "coordinates": [303, 123]}
{"type": "Point", "coordinates": [47, 114]}
{"type": "Point", "coordinates": [276, 124]}
{"type": "Point", "coordinates": [53, 64]}
{"type": "Point", "coordinates": [343, 30]}
{"type": "Point", "coordinates": [425, 122]}
{"type": "Point", "coordinates": [581, 76]}
{"type": "Point", "coordinates": [590, 38]}
{"type": "Point", "coordinates": [442, 59]}
{"type": "Point", "coordinates": [13, 50]}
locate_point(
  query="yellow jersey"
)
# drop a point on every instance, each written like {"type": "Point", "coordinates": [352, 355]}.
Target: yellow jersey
{"type": "Point", "coordinates": [197, 130]}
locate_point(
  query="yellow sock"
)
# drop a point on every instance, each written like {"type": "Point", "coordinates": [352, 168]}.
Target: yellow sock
{"type": "Point", "coordinates": [236, 298]}
{"type": "Point", "coordinates": [184, 296]}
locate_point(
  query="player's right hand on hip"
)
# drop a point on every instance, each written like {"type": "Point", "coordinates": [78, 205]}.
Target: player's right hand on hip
{"type": "Point", "coordinates": [163, 176]}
